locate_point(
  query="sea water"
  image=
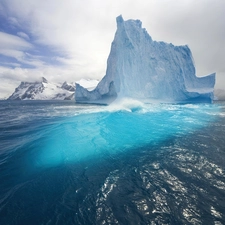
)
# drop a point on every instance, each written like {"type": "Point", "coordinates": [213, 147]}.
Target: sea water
{"type": "Point", "coordinates": [127, 163]}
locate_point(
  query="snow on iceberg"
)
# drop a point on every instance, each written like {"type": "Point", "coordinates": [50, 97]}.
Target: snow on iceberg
{"type": "Point", "coordinates": [88, 84]}
{"type": "Point", "coordinates": [143, 69]}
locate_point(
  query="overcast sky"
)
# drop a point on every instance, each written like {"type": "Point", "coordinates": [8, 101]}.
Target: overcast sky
{"type": "Point", "coordinates": [71, 39]}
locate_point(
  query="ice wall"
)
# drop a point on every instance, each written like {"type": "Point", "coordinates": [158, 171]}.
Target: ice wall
{"type": "Point", "coordinates": [141, 68]}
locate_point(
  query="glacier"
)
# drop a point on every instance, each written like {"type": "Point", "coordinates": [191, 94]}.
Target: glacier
{"type": "Point", "coordinates": [147, 70]}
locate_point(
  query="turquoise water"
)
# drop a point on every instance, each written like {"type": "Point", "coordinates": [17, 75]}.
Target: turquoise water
{"type": "Point", "coordinates": [110, 130]}
{"type": "Point", "coordinates": [127, 163]}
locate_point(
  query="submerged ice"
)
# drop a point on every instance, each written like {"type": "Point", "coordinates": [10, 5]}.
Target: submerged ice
{"type": "Point", "coordinates": [143, 69]}
{"type": "Point", "coordinates": [119, 128]}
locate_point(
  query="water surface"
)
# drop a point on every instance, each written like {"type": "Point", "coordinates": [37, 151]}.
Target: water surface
{"type": "Point", "coordinates": [130, 163]}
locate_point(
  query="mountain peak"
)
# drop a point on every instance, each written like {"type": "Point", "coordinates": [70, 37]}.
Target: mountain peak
{"type": "Point", "coordinates": [69, 87]}
{"type": "Point", "coordinates": [44, 80]}
{"type": "Point", "coordinates": [42, 90]}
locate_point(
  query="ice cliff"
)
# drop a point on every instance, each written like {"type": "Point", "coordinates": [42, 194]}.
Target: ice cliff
{"type": "Point", "coordinates": [140, 68]}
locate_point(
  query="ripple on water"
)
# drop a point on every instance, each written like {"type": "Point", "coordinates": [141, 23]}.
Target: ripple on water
{"type": "Point", "coordinates": [178, 179]}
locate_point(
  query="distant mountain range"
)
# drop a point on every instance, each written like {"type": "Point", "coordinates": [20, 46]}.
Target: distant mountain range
{"type": "Point", "coordinates": [44, 90]}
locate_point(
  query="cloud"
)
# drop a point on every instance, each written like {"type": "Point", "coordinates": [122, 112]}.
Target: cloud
{"type": "Point", "coordinates": [12, 46]}
{"type": "Point", "coordinates": [11, 77]}
{"type": "Point", "coordinates": [74, 37]}
{"type": "Point", "coordinates": [13, 22]}
{"type": "Point", "coordinates": [9, 41]}
{"type": "Point", "coordinates": [23, 35]}
{"type": "Point", "coordinates": [198, 24]}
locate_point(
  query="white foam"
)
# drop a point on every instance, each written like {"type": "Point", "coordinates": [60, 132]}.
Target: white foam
{"type": "Point", "coordinates": [126, 104]}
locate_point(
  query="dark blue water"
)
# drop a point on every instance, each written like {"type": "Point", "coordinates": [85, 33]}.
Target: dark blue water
{"type": "Point", "coordinates": [62, 163]}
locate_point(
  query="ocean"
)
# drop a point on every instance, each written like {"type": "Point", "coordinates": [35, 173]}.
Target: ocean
{"type": "Point", "coordinates": [127, 163]}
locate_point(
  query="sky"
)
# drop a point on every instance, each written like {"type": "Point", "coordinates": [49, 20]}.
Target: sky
{"type": "Point", "coordinates": [71, 39]}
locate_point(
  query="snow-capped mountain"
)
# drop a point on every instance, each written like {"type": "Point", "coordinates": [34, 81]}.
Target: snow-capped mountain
{"type": "Point", "coordinates": [68, 86]}
{"type": "Point", "coordinates": [43, 90]}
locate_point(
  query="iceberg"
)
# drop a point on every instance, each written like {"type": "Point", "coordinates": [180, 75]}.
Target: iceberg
{"type": "Point", "coordinates": [147, 70]}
